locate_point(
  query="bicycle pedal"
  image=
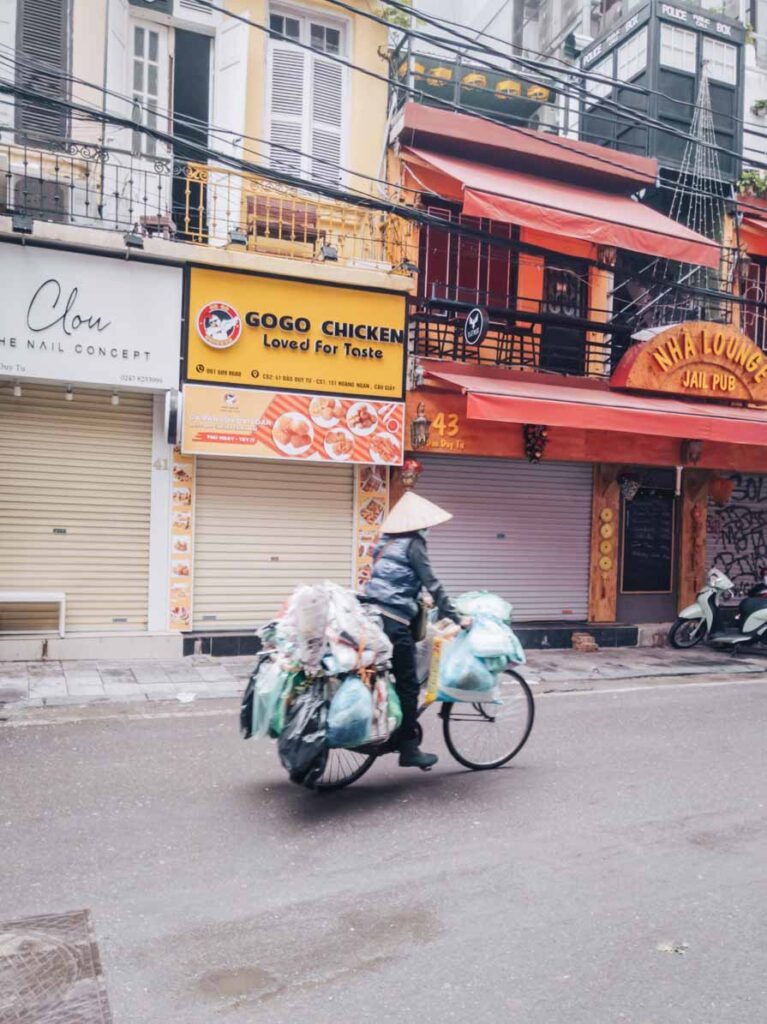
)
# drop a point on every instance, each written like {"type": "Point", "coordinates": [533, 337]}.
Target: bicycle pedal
{"type": "Point", "coordinates": [426, 768]}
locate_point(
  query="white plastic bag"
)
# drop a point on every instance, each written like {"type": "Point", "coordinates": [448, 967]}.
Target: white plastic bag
{"type": "Point", "coordinates": [308, 611]}
{"type": "Point", "coordinates": [489, 638]}
{"type": "Point", "coordinates": [482, 602]}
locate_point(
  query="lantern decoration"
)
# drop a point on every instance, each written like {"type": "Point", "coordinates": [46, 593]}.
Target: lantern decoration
{"type": "Point", "coordinates": [538, 92]}
{"type": "Point", "coordinates": [508, 87]}
{"type": "Point", "coordinates": [629, 484]}
{"type": "Point", "coordinates": [419, 428]}
{"type": "Point", "coordinates": [692, 451]}
{"type": "Point", "coordinates": [536, 438]}
{"type": "Point", "coordinates": [720, 490]}
{"type": "Point", "coordinates": [474, 80]}
{"type": "Point", "coordinates": [411, 470]}
{"type": "Point", "coordinates": [418, 69]}
{"type": "Point", "coordinates": [437, 77]}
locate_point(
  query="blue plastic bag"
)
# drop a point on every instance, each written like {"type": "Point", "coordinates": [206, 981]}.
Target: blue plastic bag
{"type": "Point", "coordinates": [496, 643]}
{"type": "Point", "coordinates": [490, 638]}
{"type": "Point", "coordinates": [350, 717]}
{"type": "Point", "coordinates": [462, 675]}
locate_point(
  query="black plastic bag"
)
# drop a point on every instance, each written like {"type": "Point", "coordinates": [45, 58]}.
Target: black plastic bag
{"type": "Point", "coordinates": [302, 747]}
{"type": "Point", "coordinates": [246, 707]}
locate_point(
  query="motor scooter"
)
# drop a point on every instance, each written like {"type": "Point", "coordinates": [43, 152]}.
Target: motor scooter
{"type": "Point", "coordinates": [704, 619]}
{"type": "Point", "coordinates": [697, 621]}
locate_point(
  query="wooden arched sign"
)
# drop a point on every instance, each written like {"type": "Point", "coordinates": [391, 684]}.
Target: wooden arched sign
{"type": "Point", "coordinates": [698, 360]}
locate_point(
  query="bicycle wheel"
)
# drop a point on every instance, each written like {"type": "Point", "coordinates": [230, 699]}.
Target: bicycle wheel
{"type": "Point", "coordinates": [487, 735]}
{"type": "Point", "coordinates": [343, 767]}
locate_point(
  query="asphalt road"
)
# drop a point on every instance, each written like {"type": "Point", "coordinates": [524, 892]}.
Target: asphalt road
{"type": "Point", "coordinates": [616, 873]}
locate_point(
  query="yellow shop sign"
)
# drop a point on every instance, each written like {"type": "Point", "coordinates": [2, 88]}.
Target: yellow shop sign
{"type": "Point", "coordinates": [264, 332]}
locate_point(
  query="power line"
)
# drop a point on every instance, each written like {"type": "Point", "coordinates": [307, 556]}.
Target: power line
{"type": "Point", "coordinates": [621, 109]}
{"type": "Point", "coordinates": [567, 70]}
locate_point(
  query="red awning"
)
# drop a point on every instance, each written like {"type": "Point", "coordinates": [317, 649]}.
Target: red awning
{"type": "Point", "coordinates": [563, 209]}
{"type": "Point", "coordinates": [507, 400]}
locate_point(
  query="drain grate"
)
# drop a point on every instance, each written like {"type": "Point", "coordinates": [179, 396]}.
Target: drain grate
{"type": "Point", "coordinates": [50, 971]}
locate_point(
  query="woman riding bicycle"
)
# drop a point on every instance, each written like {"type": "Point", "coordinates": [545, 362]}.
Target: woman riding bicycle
{"type": "Point", "coordinates": [401, 569]}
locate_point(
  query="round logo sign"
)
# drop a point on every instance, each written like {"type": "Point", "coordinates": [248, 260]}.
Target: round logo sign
{"type": "Point", "coordinates": [475, 328]}
{"type": "Point", "coordinates": [219, 325]}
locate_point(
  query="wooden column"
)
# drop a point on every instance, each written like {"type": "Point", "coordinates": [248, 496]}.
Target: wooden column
{"type": "Point", "coordinates": [692, 543]}
{"type": "Point", "coordinates": [605, 524]}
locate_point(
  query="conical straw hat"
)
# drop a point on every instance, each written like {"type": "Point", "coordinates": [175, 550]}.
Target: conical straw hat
{"type": "Point", "coordinates": [412, 512]}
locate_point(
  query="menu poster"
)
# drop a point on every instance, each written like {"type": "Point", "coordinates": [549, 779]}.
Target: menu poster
{"type": "Point", "coordinates": [371, 503]}
{"type": "Point", "coordinates": [181, 541]}
{"type": "Point", "coordinates": [281, 425]}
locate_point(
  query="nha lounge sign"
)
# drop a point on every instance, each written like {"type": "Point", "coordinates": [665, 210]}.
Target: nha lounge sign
{"type": "Point", "coordinates": [698, 359]}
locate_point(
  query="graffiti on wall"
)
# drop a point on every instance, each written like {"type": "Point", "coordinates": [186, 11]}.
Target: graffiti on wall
{"type": "Point", "coordinates": [737, 533]}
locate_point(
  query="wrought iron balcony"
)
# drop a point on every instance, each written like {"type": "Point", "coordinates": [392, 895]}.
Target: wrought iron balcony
{"type": "Point", "coordinates": [96, 187]}
{"type": "Point", "coordinates": [530, 334]}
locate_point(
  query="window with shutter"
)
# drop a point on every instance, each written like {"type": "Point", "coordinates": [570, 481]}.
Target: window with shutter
{"type": "Point", "coordinates": [307, 96]}
{"type": "Point", "coordinates": [42, 66]}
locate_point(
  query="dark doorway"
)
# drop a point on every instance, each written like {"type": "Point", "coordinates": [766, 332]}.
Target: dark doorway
{"type": "Point", "coordinates": [565, 295]}
{"type": "Point", "coordinates": [649, 535]}
{"type": "Point", "coordinates": [191, 116]}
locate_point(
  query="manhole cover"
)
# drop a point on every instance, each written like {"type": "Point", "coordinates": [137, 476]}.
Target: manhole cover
{"type": "Point", "coordinates": [50, 971]}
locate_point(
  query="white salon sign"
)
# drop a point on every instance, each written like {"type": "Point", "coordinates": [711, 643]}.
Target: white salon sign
{"type": "Point", "coordinates": [81, 319]}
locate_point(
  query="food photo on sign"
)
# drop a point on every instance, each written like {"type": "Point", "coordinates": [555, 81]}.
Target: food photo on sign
{"type": "Point", "coordinates": [276, 424]}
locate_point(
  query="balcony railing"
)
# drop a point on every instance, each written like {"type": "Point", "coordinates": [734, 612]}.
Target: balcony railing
{"type": "Point", "coordinates": [97, 187]}
{"type": "Point", "coordinates": [529, 335]}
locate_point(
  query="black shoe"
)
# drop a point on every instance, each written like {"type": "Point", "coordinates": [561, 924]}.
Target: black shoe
{"type": "Point", "coordinates": [411, 756]}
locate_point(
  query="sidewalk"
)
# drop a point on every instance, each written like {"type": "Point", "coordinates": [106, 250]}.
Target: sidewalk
{"type": "Point", "coordinates": [52, 683]}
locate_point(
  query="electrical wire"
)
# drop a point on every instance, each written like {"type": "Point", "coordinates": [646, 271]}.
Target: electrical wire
{"type": "Point", "coordinates": [569, 70]}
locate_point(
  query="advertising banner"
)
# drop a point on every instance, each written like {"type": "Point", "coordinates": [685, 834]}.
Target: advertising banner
{"type": "Point", "coordinates": [280, 425]}
{"type": "Point", "coordinates": [181, 541]}
{"type": "Point", "coordinates": [263, 332]}
{"type": "Point", "coordinates": [82, 319]}
{"type": "Point", "coordinates": [371, 503]}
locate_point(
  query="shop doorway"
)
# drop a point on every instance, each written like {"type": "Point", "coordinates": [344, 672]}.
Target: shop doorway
{"type": "Point", "coordinates": [565, 295]}
{"type": "Point", "coordinates": [649, 542]}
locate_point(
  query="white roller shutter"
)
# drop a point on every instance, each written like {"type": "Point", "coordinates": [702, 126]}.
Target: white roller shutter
{"type": "Point", "coordinates": [75, 480]}
{"type": "Point", "coordinates": [263, 527]}
{"type": "Point", "coordinates": [737, 533]}
{"type": "Point", "coordinates": [520, 530]}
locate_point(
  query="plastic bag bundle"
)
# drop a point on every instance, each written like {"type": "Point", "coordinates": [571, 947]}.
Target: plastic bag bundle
{"type": "Point", "coordinates": [481, 602]}
{"type": "Point", "coordinates": [462, 675]}
{"type": "Point", "coordinates": [308, 613]}
{"type": "Point", "coordinates": [350, 717]}
{"type": "Point", "coordinates": [356, 637]}
{"type": "Point", "coordinates": [490, 638]}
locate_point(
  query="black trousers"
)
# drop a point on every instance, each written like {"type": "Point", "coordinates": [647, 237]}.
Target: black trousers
{"type": "Point", "coordinates": [405, 674]}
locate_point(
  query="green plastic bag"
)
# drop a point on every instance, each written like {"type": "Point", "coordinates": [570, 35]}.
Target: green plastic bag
{"type": "Point", "coordinates": [293, 681]}
{"type": "Point", "coordinates": [394, 709]}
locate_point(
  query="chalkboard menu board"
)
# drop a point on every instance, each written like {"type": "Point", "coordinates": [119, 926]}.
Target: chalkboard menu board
{"type": "Point", "coordinates": [648, 543]}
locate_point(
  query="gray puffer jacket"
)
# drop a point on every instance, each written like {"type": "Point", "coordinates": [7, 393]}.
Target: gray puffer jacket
{"type": "Point", "coordinates": [401, 569]}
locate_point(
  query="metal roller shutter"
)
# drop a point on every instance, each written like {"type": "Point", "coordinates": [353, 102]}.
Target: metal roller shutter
{"type": "Point", "coordinates": [75, 482]}
{"type": "Point", "coordinates": [263, 527]}
{"type": "Point", "coordinates": [737, 533]}
{"type": "Point", "coordinates": [520, 530]}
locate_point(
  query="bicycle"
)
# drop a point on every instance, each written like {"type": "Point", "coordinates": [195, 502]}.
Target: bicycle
{"type": "Point", "coordinates": [514, 708]}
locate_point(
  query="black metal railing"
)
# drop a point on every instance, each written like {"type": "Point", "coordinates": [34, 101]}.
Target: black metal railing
{"type": "Point", "coordinates": [526, 335]}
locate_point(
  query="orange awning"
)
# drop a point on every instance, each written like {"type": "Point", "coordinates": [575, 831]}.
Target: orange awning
{"type": "Point", "coordinates": [512, 400]}
{"type": "Point", "coordinates": [559, 208]}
